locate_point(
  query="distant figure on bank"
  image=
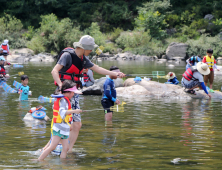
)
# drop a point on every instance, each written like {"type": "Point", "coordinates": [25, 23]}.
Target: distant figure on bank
{"type": "Point", "coordinates": [88, 79]}
{"type": "Point", "coordinates": [2, 69]}
{"type": "Point", "coordinates": [172, 78]}
{"type": "Point", "coordinates": [193, 78]}
{"type": "Point", "coordinates": [109, 94]}
{"type": "Point", "coordinates": [211, 62]}
{"type": "Point", "coordinates": [5, 46]}
{"type": "Point", "coordinates": [192, 61]}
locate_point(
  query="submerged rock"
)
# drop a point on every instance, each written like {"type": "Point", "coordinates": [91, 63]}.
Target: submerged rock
{"type": "Point", "coordinates": [29, 117]}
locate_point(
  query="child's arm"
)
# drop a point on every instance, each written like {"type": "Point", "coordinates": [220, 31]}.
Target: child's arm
{"type": "Point", "coordinates": [77, 111]}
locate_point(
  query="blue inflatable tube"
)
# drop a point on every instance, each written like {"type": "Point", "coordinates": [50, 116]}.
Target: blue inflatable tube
{"type": "Point", "coordinates": [39, 114]}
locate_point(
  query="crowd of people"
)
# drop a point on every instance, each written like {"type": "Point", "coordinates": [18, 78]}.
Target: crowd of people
{"type": "Point", "coordinates": [198, 73]}
{"type": "Point", "coordinates": [74, 70]}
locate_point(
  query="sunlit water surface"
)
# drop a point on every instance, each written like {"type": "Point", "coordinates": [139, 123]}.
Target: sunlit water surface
{"type": "Point", "coordinates": [148, 135]}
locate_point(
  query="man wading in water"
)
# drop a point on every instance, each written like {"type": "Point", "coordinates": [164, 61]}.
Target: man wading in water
{"type": "Point", "coordinates": [70, 65]}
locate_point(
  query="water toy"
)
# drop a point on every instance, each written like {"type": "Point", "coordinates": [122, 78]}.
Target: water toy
{"type": "Point", "coordinates": [137, 79]}
{"type": "Point", "coordinates": [17, 84]}
{"type": "Point", "coordinates": [7, 88]}
{"type": "Point", "coordinates": [17, 66]}
{"type": "Point", "coordinates": [57, 95]}
{"type": "Point", "coordinates": [20, 73]}
{"type": "Point", "coordinates": [99, 50]}
{"type": "Point", "coordinates": [168, 83]}
{"type": "Point", "coordinates": [39, 114]}
{"type": "Point", "coordinates": [147, 79]}
{"type": "Point", "coordinates": [46, 99]}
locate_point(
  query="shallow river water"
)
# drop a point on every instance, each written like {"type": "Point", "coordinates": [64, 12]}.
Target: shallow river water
{"type": "Point", "coordinates": [150, 134]}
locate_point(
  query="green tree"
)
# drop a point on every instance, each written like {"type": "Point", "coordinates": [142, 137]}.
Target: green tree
{"type": "Point", "coordinates": [151, 19]}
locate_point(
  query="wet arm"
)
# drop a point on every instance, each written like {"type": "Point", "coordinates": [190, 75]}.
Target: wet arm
{"type": "Point", "coordinates": [204, 87]}
{"type": "Point", "coordinates": [55, 74]}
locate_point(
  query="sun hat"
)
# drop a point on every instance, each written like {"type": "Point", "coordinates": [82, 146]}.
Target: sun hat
{"type": "Point", "coordinates": [86, 42]}
{"type": "Point", "coordinates": [171, 75]}
{"type": "Point", "coordinates": [1, 49]}
{"type": "Point", "coordinates": [2, 58]}
{"type": "Point", "coordinates": [203, 68]}
{"type": "Point", "coordinates": [74, 89]}
{"type": "Point", "coordinates": [6, 41]}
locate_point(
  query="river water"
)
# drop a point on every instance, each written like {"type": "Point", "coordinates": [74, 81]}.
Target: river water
{"type": "Point", "coordinates": [149, 134]}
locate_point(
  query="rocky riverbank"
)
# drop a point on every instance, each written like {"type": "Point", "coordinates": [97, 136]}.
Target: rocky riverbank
{"type": "Point", "coordinates": [27, 55]}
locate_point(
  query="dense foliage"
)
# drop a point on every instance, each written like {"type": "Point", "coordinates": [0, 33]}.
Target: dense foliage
{"type": "Point", "coordinates": [142, 26]}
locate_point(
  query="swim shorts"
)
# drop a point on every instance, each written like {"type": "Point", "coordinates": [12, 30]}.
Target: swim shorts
{"type": "Point", "coordinates": [60, 135]}
{"type": "Point", "coordinates": [106, 103]}
{"type": "Point", "coordinates": [209, 77]}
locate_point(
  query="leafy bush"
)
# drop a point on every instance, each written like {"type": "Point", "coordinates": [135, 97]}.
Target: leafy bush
{"type": "Point", "coordinates": [94, 31]}
{"type": "Point", "coordinates": [200, 46]}
{"type": "Point", "coordinates": [115, 34]}
{"type": "Point", "coordinates": [54, 35]}
{"type": "Point", "coordinates": [11, 29]}
{"type": "Point", "coordinates": [151, 19]}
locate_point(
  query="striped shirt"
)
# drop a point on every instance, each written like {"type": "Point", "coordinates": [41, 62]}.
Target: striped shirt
{"type": "Point", "coordinates": [63, 127]}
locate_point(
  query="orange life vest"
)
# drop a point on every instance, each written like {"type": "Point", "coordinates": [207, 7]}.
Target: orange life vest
{"type": "Point", "coordinates": [56, 116]}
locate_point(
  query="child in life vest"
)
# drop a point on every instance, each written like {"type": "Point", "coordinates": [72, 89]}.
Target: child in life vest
{"type": "Point", "coordinates": [172, 78]}
{"type": "Point", "coordinates": [62, 115]}
{"type": "Point", "coordinates": [24, 88]}
{"type": "Point", "coordinates": [211, 62]}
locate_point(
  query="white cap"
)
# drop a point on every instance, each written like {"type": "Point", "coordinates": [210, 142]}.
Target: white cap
{"type": "Point", "coordinates": [86, 42]}
{"type": "Point", "coordinates": [6, 41]}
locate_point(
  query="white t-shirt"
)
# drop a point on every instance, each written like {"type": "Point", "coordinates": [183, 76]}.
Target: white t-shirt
{"type": "Point", "coordinates": [196, 75]}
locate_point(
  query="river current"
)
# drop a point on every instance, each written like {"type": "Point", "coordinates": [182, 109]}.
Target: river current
{"type": "Point", "coordinates": [151, 133]}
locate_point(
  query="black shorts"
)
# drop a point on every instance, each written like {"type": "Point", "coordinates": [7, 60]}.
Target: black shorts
{"type": "Point", "coordinates": [106, 103]}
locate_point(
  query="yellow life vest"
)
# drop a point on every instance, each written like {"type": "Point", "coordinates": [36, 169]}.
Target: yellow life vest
{"type": "Point", "coordinates": [210, 61]}
{"type": "Point", "coordinates": [56, 116]}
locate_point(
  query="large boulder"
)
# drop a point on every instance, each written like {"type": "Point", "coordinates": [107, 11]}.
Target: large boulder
{"type": "Point", "coordinates": [155, 89]}
{"type": "Point", "coordinates": [176, 50]}
{"type": "Point", "coordinates": [97, 88]}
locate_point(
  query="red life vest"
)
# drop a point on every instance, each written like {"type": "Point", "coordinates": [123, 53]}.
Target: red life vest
{"type": "Point", "coordinates": [2, 71]}
{"type": "Point", "coordinates": [188, 74]}
{"type": "Point", "coordinates": [74, 72]}
{"type": "Point", "coordinates": [56, 116]}
{"type": "Point", "coordinates": [86, 77]}
{"type": "Point", "coordinates": [5, 47]}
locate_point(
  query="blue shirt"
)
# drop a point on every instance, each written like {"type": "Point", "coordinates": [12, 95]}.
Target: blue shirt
{"type": "Point", "coordinates": [109, 90]}
{"type": "Point", "coordinates": [174, 81]}
{"type": "Point", "coordinates": [24, 93]}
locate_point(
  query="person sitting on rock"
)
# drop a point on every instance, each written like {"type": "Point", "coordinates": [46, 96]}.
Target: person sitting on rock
{"type": "Point", "coordinates": [172, 78]}
{"type": "Point", "coordinates": [193, 78]}
{"type": "Point", "coordinates": [192, 61]}
{"type": "Point", "coordinates": [88, 79]}
{"type": "Point", "coordinates": [109, 94]}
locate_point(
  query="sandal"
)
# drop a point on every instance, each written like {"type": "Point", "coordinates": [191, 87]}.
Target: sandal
{"type": "Point", "coordinates": [191, 92]}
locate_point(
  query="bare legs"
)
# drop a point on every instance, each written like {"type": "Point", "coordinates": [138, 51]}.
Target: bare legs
{"type": "Point", "coordinates": [74, 133]}
{"type": "Point", "coordinates": [52, 146]}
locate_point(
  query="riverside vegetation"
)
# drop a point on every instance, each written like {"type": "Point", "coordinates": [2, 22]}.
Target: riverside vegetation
{"type": "Point", "coordinates": [142, 27]}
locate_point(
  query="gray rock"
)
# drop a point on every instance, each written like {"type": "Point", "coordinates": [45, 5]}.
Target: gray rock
{"type": "Point", "coordinates": [176, 50]}
{"type": "Point", "coordinates": [37, 59]}
{"type": "Point", "coordinates": [97, 88]}
{"type": "Point", "coordinates": [209, 17]}
{"type": "Point", "coordinates": [156, 89]}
